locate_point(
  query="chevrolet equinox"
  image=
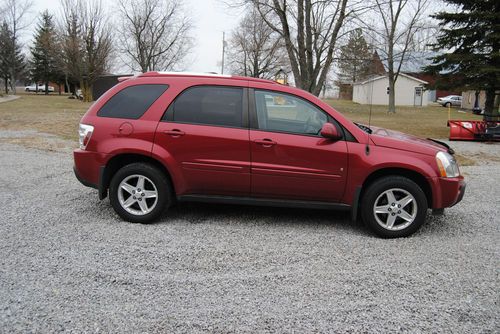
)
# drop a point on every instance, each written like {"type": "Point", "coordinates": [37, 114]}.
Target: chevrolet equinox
{"type": "Point", "coordinates": [160, 138]}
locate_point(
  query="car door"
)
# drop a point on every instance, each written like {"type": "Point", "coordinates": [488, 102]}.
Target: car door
{"type": "Point", "coordinates": [205, 135]}
{"type": "Point", "coordinates": [290, 160]}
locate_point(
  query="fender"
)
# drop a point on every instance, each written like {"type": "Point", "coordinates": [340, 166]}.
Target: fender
{"type": "Point", "coordinates": [361, 165]}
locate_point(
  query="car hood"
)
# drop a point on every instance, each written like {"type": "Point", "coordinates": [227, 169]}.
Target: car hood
{"type": "Point", "coordinates": [402, 141]}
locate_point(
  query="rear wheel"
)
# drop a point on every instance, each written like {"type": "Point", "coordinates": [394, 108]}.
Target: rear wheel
{"type": "Point", "coordinates": [394, 207]}
{"type": "Point", "coordinates": [140, 192]}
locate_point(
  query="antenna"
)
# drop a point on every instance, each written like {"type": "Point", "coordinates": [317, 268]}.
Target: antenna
{"type": "Point", "coordinates": [372, 68]}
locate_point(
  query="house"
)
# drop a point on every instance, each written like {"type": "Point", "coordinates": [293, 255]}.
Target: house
{"type": "Point", "coordinates": [409, 91]}
{"type": "Point", "coordinates": [414, 65]}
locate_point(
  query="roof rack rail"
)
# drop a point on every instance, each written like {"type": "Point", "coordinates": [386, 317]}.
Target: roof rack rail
{"type": "Point", "coordinates": [202, 74]}
{"type": "Point", "coordinates": [188, 74]}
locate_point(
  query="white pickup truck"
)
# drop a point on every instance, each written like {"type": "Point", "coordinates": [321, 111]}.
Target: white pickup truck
{"type": "Point", "coordinates": [38, 88]}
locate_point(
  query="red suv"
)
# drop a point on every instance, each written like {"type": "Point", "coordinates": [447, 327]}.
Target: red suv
{"type": "Point", "coordinates": [159, 138]}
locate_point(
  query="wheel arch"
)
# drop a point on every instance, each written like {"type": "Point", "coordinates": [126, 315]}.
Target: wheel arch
{"type": "Point", "coordinates": [416, 177]}
{"type": "Point", "coordinates": [121, 160]}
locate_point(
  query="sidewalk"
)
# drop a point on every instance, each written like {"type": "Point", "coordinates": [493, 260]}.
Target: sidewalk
{"type": "Point", "coordinates": [7, 98]}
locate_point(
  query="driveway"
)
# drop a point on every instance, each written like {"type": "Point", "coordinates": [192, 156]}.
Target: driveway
{"type": "Point", "coordinates": [67, 263]}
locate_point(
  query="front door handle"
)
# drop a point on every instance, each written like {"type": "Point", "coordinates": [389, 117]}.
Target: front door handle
{"type": "Point", "coordinates": [266, 142]}
{"type": "Point", "coordinates": [175, 133]}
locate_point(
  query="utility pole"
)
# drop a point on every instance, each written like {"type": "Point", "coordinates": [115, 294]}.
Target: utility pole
{"type": "Point", "coordinates": [223, 50]}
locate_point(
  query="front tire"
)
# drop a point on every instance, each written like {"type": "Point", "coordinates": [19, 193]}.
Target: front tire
{"type": "Point", "coordinates": [394, 207]}
{"type": "Point", "coordinates": [447, 104]}
{"type": "Point", "coordinates": [140, 193]}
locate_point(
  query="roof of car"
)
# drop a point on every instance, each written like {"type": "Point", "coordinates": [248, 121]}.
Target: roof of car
{"type": "Point", "coordinates": [200, 74]}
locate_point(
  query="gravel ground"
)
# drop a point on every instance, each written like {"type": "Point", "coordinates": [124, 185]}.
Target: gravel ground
{"type": "Point", "coordinates": [67, 263]}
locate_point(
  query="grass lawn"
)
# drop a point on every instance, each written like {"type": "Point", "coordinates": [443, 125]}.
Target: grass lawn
{"type": "Point", "coordinates": [425, 122]}
{"type": "Point", "coordinates": [60, 116]}
{"type": "Point", "coordinates": [51, 114]}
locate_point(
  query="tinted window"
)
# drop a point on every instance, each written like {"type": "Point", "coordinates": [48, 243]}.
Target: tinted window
{"type": "Point", "coordinates": [285, 113]}
{"type": "Point", "coordinates": [208, 105]}
{"type": "Point", "coordinates": [132, 102]}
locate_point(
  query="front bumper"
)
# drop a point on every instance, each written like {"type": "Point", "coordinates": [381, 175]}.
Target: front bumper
{"type": "Point", "coordinates": [447, 192]}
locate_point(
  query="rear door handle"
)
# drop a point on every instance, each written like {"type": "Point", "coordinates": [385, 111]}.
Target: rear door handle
{"type": "Point", "coordinates": [266, 142]}
{"type": "Point", "coordinates": [175, 133]}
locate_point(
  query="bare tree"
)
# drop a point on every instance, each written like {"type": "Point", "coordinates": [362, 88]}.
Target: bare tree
{"type": "Point", "coordinates": [154, 34]}
{"type": "Point", "coordinates": [256, 49]}
{"type": "Point", "coordinates": [401, 22]}
{"type": "Point", "coordinates": [310, 30]}
{"type": "Point", "coordinates": [14, 13]}
{"type": "Point", "coordinates": [88, 42]}
{"type": "Point", "coordinates": [70, 59]}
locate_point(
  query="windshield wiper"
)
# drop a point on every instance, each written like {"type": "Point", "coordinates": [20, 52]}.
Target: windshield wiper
{"type": "Point", "coordinates": [364, 128]}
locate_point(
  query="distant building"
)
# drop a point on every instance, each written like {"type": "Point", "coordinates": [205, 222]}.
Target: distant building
{"type": "Point", "coordinates": [414, 65]}
{"type": "Point", "coordinates": [469, 99]}
{"type": "Point", "coordinates": [409, 91]}
{"type": "Point", "coordinates": [105, 82]}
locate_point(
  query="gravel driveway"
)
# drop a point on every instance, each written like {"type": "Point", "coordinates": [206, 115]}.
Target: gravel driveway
{"type": "Point", "coordinates": [67, 263]}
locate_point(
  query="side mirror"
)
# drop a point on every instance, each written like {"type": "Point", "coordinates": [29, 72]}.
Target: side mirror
{"type": "Point", "coordinates": [330, 131]}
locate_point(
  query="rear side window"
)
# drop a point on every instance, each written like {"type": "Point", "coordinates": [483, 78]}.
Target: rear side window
{"type": "Point", "coordinates": [211, 105]}
{"type": "Point", "coordinates": [132, 102]}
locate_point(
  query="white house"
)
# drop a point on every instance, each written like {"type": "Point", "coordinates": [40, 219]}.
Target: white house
{"type": "Point", "coordinates": [409, 91]}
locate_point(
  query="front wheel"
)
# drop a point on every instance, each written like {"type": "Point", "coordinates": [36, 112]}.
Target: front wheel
{"type": "Point", "coordinates": [394, 207]}
{"type": "Point", "coordinates": [140, 192]}
{"type": "Point", "coordinates": [447, 104]}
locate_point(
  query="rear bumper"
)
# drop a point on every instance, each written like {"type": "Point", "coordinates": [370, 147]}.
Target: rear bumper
{"type": "Point", "coordinates": [83, 181]}
{"type": "Point", "coordinates": [89, 169]}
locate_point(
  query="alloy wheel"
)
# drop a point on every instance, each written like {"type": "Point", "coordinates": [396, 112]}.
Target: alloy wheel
{"type": "Point", "coordinates": [395, 209]}
{"type": "Point", "coordinates": [137, 195]}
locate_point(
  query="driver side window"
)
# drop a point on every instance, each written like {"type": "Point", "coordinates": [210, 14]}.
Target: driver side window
{"type": "Point", "coordinates": [285, 113]}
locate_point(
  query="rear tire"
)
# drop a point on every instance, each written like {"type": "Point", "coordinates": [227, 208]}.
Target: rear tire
{"type": "Point", "coordinates": [140, 193]}
{"type": "Point", "coordinates": [394, 207]}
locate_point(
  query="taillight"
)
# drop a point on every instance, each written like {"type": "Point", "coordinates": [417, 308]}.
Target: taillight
{"type": "Point", "coordinates": [85, 132]}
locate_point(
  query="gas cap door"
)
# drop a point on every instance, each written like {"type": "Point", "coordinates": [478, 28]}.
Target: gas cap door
{"type": "Point", "coordinates": [125, 129]}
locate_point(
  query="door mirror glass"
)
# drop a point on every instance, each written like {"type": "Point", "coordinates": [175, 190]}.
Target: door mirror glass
{"type": "Point", "coordinates": [330, 131]}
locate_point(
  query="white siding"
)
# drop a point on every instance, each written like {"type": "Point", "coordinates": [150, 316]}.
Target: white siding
{"type": "Point", "coordinates": [376, 91]}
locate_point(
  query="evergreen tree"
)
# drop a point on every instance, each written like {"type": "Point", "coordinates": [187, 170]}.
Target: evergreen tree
{"type": "Point", "coordinates": [44, 52]}
{"type": "Point", "coordinates": [473, 33]}
{"type": "Point", "coordinates": [11, 58]}
{"type": "Point", "coordinates": [355, 59]}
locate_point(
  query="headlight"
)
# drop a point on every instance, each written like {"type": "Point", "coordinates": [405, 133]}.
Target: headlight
{"type": "Point", "coordinates": [84, 132]}
{"type": "Point", "coordinates": [447, 165]}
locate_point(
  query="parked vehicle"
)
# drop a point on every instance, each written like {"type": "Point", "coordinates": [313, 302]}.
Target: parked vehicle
{"type": "Point", "coordinates": [79, 94]}
{"type": "Point", "coordinates": [450, 100]}
{"type": "Point", "coordinates": [161, 138]}
{"type": "Point", "coordinates": [38, 88]}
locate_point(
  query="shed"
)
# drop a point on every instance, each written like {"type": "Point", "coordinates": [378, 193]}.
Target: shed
{"type": "Point", "coordinates": [410, 91]}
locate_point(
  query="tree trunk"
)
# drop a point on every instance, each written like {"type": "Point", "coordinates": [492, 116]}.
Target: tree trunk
{"type": "Point", "coordinates": [86, 91]}
{"type": "Point", "coordinates": [6, 86]}
{"type": "Point", "coordinates": [46, 87]}
{"type": "Point", "coordinates": [392, 94]}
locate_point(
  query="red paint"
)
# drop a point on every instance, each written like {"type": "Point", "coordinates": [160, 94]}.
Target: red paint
{"type": "Point", "coordinates": [203, 159]}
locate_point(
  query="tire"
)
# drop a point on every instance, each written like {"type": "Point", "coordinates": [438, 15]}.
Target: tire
{"type": "Point", "coordinates": [135, 203]}
{"type": "Point", "coordinates": [393, 220]}
{"type": "Point", "coordinates": [447, 104]}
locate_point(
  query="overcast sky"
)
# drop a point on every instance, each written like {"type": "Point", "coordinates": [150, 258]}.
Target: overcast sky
{"type": "Point", "coordinates": [210, 18]}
